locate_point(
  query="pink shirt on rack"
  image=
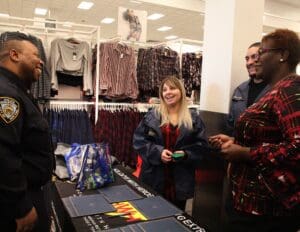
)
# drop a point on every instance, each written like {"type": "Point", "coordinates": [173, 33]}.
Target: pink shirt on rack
{"type": "Point", "coordinates": [117, 71]}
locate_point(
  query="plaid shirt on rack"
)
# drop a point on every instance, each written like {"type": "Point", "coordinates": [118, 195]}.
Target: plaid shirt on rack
{"type": "Point", "coordinates": [271, 128]}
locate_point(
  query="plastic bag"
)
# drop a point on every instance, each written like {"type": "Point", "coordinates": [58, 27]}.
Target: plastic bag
{"type": "Point", "coordinates": [96, 169]}
{"type": "Point", "coordinates": [74, 160]}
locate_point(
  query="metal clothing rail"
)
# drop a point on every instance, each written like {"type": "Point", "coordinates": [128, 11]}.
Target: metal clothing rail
{"type": "Point", "coordinates": [141, 107]}
{"type": "Point", "coordinates": [72, 105]}
{"type": "Point", "coordinates": [51, 22]}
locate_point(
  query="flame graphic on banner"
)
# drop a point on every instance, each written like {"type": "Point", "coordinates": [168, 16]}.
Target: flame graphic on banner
{"type": "Point", "coordinates": [126, 210]}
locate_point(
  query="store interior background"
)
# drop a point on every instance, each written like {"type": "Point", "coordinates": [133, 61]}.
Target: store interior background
{"type": "Point", "coordinates": [186, 17]}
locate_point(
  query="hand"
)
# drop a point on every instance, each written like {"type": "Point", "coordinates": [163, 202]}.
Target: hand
{"type": "Point", "coordinates": [220, 141]}
{"type": "Point", "coordinates": [166, 156]}
{"type": "Point", "coordinates": [27, 222]}
{"type": "Point", "coordinates": [235, 152]}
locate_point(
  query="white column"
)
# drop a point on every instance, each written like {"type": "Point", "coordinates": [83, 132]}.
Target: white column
{"type": "Point", "coordinates": [230, 26]}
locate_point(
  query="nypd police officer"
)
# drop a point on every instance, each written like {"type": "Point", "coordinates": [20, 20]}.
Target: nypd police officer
{"type": "Point", "coordinates": [26, 160]}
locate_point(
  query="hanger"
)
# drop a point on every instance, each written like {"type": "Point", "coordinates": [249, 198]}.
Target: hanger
{"type": "Point", "coordinates": [73, 40]}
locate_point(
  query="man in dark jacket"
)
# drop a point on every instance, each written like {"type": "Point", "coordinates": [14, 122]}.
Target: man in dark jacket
{"type": "Point", "coordinates": [249, 91]}
{"type": "Point", "coordinates": [26, 159]}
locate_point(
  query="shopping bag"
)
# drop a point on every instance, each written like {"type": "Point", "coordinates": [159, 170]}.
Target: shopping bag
{"type": "Point", "coordinates": [74, 160]}
{"type": "Point", "coordinates": [96, 170]}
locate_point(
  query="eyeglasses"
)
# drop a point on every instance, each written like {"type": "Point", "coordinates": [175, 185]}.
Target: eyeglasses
{"type": "Point", "coordinates": [265, 50]}
{"type": "Point", "coordinates": [252, 57]}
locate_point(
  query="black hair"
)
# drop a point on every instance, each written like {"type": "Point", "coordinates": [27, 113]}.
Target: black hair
{"type": "Point", "coordinates": [126, 15]}
{"type": "Point", "coordinates": [287, 40]}
{"type": "Point", "coordinates": [256, 44]}
{"type": "Point", "coordinates": [12, 35]}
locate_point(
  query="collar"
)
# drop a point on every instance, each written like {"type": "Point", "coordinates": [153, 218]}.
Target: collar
{"type": "Point", "coordinates": [12, 77]}
{"type": "Point", "coordinates": [122, 48]}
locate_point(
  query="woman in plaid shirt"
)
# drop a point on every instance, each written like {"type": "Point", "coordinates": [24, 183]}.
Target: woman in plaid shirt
{"type": "Point", "coordinates": [265, 153]}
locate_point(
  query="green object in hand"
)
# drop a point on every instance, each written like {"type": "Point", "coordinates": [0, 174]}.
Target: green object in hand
{"type": "Point", "coordinates": [177, 156]}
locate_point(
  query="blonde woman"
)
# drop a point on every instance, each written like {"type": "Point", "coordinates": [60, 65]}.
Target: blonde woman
{"type": "Point", "coordinates": [171, 140]}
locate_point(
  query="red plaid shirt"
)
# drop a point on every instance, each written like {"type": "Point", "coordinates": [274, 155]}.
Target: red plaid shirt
{"type": "Point", "coordinates": [271, 128]}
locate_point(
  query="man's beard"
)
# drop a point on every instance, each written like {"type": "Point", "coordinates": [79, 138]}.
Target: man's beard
{"type": "Point", "coordinates": [28, 75]}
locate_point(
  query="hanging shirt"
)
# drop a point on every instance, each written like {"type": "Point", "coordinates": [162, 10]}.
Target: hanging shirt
{"type": "Point", "coordinates": [191, 71]}
{"type": "Point", "coordinates": [74, 59]}
{"type": "Point", "coordinates": [41, 88]}
{"type": "Point", "coordinates": [117, 71]}
{"type": "Point", "coordinates": [154, 64]}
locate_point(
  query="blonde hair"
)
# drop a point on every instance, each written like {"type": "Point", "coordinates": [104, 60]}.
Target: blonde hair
{"type": "Point", "coordinates": [184, 115]}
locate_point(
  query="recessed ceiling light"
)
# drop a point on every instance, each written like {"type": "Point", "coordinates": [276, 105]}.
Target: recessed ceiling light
{"type": "Point", "coordinates": [67, 24]}
{"type": "Point", "coordinates": [85, 5]}
{"type": "Point", "coordinates": [136, 2]}
{"type": "Point", "coordinates": [164, 28]}
{"type": "Point", "coordinates": [40, 11]}
{"type": "Point", "coordinates": [107, 20]}
{"type": "Point", "coordinates": [155, 16]}
{"type": "Point", "coordinates": [171, 37]}
{"type": "Point", "coordinates": [4, 15]}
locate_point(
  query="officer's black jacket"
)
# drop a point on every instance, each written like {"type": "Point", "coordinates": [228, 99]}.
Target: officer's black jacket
{"type": "Point", "coordinates": [26, 159]}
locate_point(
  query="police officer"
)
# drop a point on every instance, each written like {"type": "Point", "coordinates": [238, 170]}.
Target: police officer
{"type": "Point", "coordinates": [26, 158]}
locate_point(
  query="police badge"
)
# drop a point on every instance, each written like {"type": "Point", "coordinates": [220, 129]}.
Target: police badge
{"type": "Point", "coordinates": [9, 109]}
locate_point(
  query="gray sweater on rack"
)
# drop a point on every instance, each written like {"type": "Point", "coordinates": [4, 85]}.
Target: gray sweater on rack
{"type": "Point", "coordinates": [73, 59]}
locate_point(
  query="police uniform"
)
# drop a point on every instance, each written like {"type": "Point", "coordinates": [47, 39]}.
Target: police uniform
{"type": "Point", "coordinates": [26, 157]}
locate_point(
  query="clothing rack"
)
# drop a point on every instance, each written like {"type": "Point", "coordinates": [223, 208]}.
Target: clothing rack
{"type": "Point", "coordinates": [82, 31]}
{"type": "Point", "coordinates": [141, 107]}
{"type": "Point", "coordinates": [90, 31]}
{"type": "Point", "coordinates": [97, 104]}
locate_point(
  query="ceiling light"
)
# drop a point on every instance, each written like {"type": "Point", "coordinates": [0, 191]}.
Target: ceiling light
{"type": "Point", "coordinates": [164, 28]}
{"type": "Point", "coordinates": [107, 20]}
{"type": "Point", "coordinates": [40, 11]}
{"type": "Point", "coordinates": [155, 16]}
{"type": "Point", "coordinates": [2, 15]}
{"type": "Point", "coordinates": [136, 2]}
{"type": "Point", "coordinates": [171, 37]}
{"type": "Point", "coordinates": [67, 24]}
{"type": "Point", "coordinates": [85, 5]}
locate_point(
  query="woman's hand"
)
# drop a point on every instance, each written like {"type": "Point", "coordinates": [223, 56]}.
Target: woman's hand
{"type": "Point", "coordinates": [229, 150]}
{"type": "Point", "coordinates": [235, 152]}
{"type": "Point", "coordinates": [166, 156]}
{"type": "Point", "coordinates": [220, 141]}
{"type": "Point", "coordinates": [182, 157]}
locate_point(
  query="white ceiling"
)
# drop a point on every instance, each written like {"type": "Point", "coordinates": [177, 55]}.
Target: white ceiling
{"type": "Point", "coordinates": [186, 23]}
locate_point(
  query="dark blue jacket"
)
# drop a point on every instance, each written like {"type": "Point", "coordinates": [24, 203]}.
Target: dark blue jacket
{"type": "Point", "coordinates": [149, 143]}
{"type": "Point", "coordinates": [238, 103]}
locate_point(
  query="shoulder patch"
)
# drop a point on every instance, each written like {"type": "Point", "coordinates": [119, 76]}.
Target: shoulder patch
{"type": "Point", "coordinates": [9, 109]}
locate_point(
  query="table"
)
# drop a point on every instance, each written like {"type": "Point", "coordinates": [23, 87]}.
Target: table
{"type": "Point", "coordinates": [98, 222]}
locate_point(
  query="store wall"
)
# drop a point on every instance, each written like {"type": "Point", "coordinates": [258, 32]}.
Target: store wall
{"type": "Point", "coordinates": [227, 35]}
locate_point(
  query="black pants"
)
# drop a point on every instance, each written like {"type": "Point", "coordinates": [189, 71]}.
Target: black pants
{"type": "Point", "coordinates": [180, 204]}
{"type": "Point", "coordinates": [243, 222]}
{"type": "Point", "coordinates": [42, 208]}
{"type": "Point", "coordinates": [43, 223]}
